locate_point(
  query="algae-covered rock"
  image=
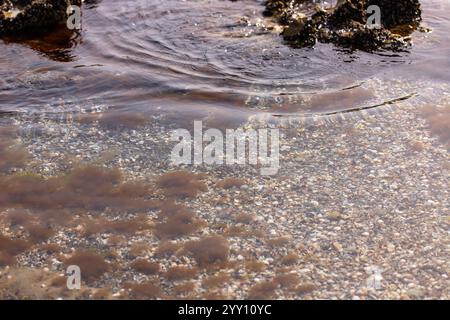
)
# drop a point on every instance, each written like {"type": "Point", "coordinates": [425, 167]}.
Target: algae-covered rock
{"type": "Point", "coordinates": [399, 12]}
{"type": "Point", "coordinates": [19, 16]}
{"type": "Point", "coordinates": [346, 24]}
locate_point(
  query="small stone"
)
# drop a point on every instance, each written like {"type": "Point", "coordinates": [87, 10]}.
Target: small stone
{"type": "Point", "coordinates": [338, 246]}
{"type": "Point", "coordinates": [390, 247]}
{"type": "Point", "coordinates": [415, 293]}
{"type": "Point", "coordinates": [333, 215]}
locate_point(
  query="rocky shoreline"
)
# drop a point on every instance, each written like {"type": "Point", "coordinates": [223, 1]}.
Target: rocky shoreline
{"type": "Point", "coordinates": [32, 16]}
{"type": "Point", "coordinates": [304, 22]}
{"type": "Point", "coordinates": [346, 24]}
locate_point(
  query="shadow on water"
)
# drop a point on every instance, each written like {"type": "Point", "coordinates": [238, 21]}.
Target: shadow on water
{"type": "Point", "coordinates": [56, 45]}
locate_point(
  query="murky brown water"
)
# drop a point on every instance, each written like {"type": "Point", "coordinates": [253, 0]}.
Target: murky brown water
{"type": "Point", "coordinates": [204, 58]}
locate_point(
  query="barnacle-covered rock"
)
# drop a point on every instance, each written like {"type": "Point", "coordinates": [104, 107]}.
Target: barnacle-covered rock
{"type": "Point", "coordinates": [19, 16]}
{"type": "Point", "coordinates": [347, 12]}
{"type": "Point", "coordinates": [346, 24]}
{"type": "Point", "coordinates": [399, 12]}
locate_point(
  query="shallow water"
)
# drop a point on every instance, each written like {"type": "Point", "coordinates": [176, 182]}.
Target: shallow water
{"type": "Point", "coordinates": [82, 191]}
{"type": "Point", "coordinates": [210, 58]}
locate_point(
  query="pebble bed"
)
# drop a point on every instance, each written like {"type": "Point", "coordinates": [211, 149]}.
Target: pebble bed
{"type": "Point", "coordinates": [358, 210]}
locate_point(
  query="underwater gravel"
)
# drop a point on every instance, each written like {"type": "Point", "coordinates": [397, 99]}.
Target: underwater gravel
{"type": "Point", "coordinates": [358, 200]}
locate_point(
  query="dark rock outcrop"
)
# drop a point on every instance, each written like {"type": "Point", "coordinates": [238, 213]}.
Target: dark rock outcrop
{"type": "Point", "coordinates": [399, 12]}
{"type": "Point", "coordinates": [23, 16]}
{"type": "Point", "coordinates": [346, 24]}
